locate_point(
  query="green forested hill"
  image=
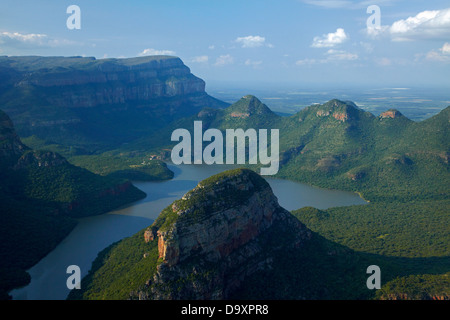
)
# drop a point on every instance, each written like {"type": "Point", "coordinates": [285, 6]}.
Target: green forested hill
{"type": "Point", "coordinates": [40, 194]}
{"type": "Point", "coordinates": [337, 145]}
{"type": "Point", "coordinates": [400, 166]}
{"type": "Point", "coordinates": [317, 269]}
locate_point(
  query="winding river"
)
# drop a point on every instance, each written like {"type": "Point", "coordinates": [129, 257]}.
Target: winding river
{"type": "Point", "coordinates": [91, 235]}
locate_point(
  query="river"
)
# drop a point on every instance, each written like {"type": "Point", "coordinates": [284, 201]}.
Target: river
{"type": "Point", "coordinates": [92, 234]}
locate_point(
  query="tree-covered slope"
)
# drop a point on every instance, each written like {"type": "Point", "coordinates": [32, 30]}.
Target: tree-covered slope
{"type": "Point", "coordinates": [400, 166]}
{"type": "Point", "coordinates": [158, 262]}
{"type": "Point", "coordinates": [40, 194]}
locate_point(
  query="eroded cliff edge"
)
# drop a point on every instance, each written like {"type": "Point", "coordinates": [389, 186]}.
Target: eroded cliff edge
{"type": "Point", "coordinates": [219, 233]}
{"type": "Point", "coordinates": [83, 101]}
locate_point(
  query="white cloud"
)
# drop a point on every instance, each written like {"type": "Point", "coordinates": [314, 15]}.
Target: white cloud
{"type": "Point", "coordinates": [254, 64]}
{"type": "Point", "coordinates": [154, 52]}
{"type": "Point", "coordinates": [330, 56]}
{"type": "Point", "coordinates": [445, 48]}
{"type": "Point", "coordinates": [212, 47]}
{"type": "Point", "coordinates": [224, 60]}
{"type": "Point", "coordinates": [252, 42]}
{"type": "Point", "coordinates": [433, 24]}
{"type": "Point", "coordinates": [304, 62]}
{"type": "Point", "coordinates": [330, 40]}
{"type": "Point", "coordinates": [17, 40]}
{"type": "Point", "coordinates": [441, 55]}
{"type": "Point", "coordinates": [436, 56]}
{"type": "Point", "coordinates": [31, 38]}
{"type": "Point", "coordinates": [341, 55]}
{"type": "Point", "coordinates": [200, 59]}
{"type": "Point", "coordinates": [376, 32]}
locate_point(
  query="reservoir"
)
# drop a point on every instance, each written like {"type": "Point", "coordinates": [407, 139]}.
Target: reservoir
{"type": "Point", "coordinates": [93, 234]}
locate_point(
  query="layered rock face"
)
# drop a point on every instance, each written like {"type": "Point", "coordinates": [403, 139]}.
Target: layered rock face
{"type": "Point", "coordinates": [117, 81]}
{"type": "Point", "coordinates": [72, 99]}
{"type": "Point", "coordinates": [390, 114]}
{"type": "Point", "coordinates": [219, 233]}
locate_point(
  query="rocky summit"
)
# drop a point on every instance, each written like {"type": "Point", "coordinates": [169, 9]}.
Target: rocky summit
{"type": "Point", "coordinates": [219, 233]}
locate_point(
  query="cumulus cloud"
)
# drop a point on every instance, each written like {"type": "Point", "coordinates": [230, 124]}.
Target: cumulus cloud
{"type": "Point", "coordinates": [426, 24]}
{"type": "Point", "coordinates": [429, 24]}
{"type": "Point", "coordinates": [154, 52]}
{"type": "Point", "coordinates": [252, 42]}
{"type": "Point", "coordinates": [440, 55]}
{"type": "Point", "coordinates": [224, 60]}
{"type": "Point", "coordinates": [31, 40]}
{"type": "Point", "coordinates": [330, 40]}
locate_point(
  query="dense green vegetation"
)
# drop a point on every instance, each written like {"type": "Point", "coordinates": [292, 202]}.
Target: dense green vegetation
{"type": "Point", "coordinates": [28, 231]}
{"type": "Point", "coordinates": [322, 269]}
{"type": "Point", "coordinates": [400, 166]}
{"type": "Point", "coordinates": [414, 229]}
{"type": "Point", "coordinates": [417, 287]}
{"type": "Point", "coordinates": [124, 166]}
{"type": "Point", "coordinates": [119, 269]}
{"type": "Point", "coordinates": [318, 269]}
{"type": "Point", "coordinates": [40, 195]}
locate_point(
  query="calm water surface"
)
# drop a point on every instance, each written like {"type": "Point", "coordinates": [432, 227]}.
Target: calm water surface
{"type": "Point", "coordinates": [91, 235]}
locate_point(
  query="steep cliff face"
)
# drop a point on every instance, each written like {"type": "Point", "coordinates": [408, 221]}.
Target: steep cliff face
{"type": "Point", "coordinates": [390, 114]}
{"type": "Point", "coordinates": [39, 191]}
{"type": "Point", "coordinates": [74, 100]}
{"type": "Point", "coordinates": [216, 235]}
{"type": "Point", "coordinates": [10, 145]}
{"type": "Point", "coordinates": [116, 81]}
{"type": "Point", "coordinates": [34, 175]}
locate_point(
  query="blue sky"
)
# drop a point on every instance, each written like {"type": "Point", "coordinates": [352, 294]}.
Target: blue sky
{"type": "Point", "coordinates": [266, 42]}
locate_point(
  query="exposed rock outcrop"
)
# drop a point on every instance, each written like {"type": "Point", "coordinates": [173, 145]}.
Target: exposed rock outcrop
{"type": "Point", "coordinates": [219, 233]}
{"type": "Point", "coordinates": [390, 114]}
{"type": "Point", "coordinates": [58, 98]}
{"type": "Point", "coordinates": [40, 159]}
{"type": "Point", "coordinates": [339, 110]}
{"type": "Point", "coordinates": [10, 145]}
{"type": "Point", "coordinates": [341, 116]}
